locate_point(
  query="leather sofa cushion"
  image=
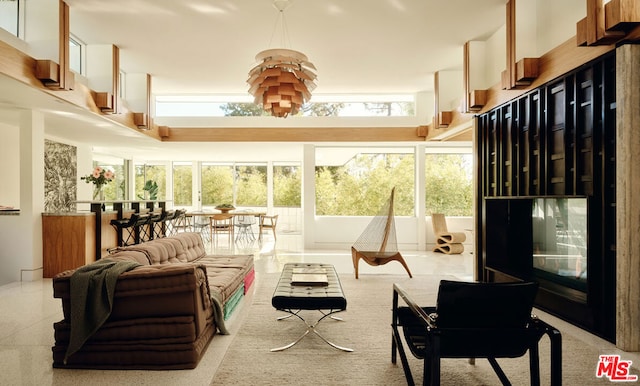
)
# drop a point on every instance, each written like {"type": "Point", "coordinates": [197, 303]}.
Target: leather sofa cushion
{"type": "Point", "coordinates": [177, 329]}
{"type": "Point", "coordinates": [161, 251]}
{"type": "Point", "coordinates": [149, 291]}
{"type": "Point", "coordinates": [150, 356]}
{"type": "Point", "coordinates": [141, 257]}
{"type": "Point", "coordinates": [181, 248]}
{"type": "Point", "coordinates": [192, 244]}
{"type": "Point", "coordinates": [226, 273]}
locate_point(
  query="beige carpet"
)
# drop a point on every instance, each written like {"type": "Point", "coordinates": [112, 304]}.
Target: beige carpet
{"type": "Point", "coordinates": [366, 329]}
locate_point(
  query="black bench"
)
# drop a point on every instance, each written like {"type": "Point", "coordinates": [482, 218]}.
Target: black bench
{"type": "Point", "coordinates": [327, 299]}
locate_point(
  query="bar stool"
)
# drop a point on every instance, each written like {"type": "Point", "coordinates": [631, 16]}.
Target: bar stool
{"type": "Point", "coordinates": [157, 224]}
{"type": "Point", "coordinates": [132, 226]}
{"type": "Point", "coordinates": [179, 222]}
{"type": "Point", "coordinates": [144, 228]}
{"type": "Point", "coordinates": [168, 223]}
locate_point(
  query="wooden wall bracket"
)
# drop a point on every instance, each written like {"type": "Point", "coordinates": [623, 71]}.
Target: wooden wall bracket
{"type": "Point", "coordinates": [445, 118]}
{"type": "Point", "coordinates": [140, 120]}
{"type": "Point", "coordinates": [526, 71]}
{"type": "Point", "coordinates": [477, 99]}
{"type": "Point", "coordinates": [104, 101]}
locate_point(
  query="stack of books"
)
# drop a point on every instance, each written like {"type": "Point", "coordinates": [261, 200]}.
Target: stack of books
{"type": "Point", "coordinates": [309, 277]}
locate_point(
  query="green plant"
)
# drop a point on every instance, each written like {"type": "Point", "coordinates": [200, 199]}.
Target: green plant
{"type": "Point", "coordinates": [151, 187]}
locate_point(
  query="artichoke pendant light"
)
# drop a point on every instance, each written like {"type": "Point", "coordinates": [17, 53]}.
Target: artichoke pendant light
{"type": "Point", "coordinates": [283, 79]}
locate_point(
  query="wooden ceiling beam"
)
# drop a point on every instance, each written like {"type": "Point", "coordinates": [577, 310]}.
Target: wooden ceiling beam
{"type": "Point", "coordinates": [294, 134]}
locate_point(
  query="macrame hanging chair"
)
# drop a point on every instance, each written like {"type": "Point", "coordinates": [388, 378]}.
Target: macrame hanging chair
{"type": "Point", "coordinates": [377, 245]}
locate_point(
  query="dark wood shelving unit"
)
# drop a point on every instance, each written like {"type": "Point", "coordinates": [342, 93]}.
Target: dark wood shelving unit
{"type": "Point", "coordinates": [556, 141]}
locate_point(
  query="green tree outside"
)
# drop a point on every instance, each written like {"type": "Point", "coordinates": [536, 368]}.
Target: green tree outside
{"type": "Point", "coordinates": [217, 184]}
{"type": "Point", "coordinates": [182, 184]}
{"type": "Point", "coordinates": [449, 187]}
{"type": "Point", "coordinates": [287, 186]}
{"type": "Point", "coordinates": [308, 109]}
{"type": "Point", "coordinates": [242, 110]}
{"type": "Point", "coordinates": [360, 187]}
{"type": "Point", "coordinates": [363, 185]}
{"type": "Point", "coordinates": [251, 185]}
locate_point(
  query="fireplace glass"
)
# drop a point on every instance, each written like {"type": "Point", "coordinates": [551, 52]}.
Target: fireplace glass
{"type": "Point", "coordinates": [560, 240]}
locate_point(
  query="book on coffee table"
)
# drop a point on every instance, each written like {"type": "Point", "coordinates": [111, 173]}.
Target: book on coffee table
{"type": "Point", "coordinates": [316, 270]}
{"type": "Point", "coordinates": [309, 279]}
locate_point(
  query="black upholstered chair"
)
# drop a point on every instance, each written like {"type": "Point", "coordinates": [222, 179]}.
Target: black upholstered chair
{"type": "Point", "coordinates": [473, 320]}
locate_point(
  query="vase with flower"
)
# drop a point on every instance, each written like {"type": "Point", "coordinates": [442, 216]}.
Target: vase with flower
{"type": "Point", "coordinates": [99, 178]}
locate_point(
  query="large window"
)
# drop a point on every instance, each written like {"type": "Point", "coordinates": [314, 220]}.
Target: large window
{"type": "Point", "coordinates": [116, 189]}
{"type": "Point", "coordinates": [151, 182]}
{"type": "Point", "coordinates": [449, 184]}
{"type": "Point", "coordinates": [182, 184]}
{"type": "Point", "coordinates": [358, 181]}
{"type": "Point", "coordinates": [10, 16]}
{"type": "Point", "coordinates": [76, 54]}
{"type": "Point", "coordinates": [251, 184]}
{"type": "Point", "coordinates": [216, 184]}
{"type": "Point", "coordinates": [287, 185]}
{"type": "Point", "coordinates": [321, 106]}
{"type": "Point", "coordinates": [236, 184]}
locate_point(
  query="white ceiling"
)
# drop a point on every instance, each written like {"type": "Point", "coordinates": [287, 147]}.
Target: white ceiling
{"type": "Point", "coordinates": [358, 46]}
{"type": "Point", "coordinates": [208, 47]}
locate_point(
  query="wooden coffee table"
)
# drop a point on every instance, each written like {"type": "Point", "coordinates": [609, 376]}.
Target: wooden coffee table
{"type": "Point", "coordinates": [327, 299]}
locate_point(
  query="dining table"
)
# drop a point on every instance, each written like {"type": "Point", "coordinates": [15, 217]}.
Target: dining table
{"type": "Point", "coordinates": [190, 216]}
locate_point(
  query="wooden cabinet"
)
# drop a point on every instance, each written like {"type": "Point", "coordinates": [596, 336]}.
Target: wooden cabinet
{"type": "Point", "coordinates": [557, 141]}
{"type": "Point", "coordinates": [68, 241]}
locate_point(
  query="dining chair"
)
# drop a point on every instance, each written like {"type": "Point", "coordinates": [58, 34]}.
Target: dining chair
{"type": "Point", "coordinates": [244, 222]}
{"type": "Point", "coordinates": [221, 223]}
{"type": "Point", "coordinates": [268, 222]}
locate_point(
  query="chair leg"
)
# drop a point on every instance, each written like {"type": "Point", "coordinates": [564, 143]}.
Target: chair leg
{"type": "Point", "coordinates": [356, 260]}
{"type": "Point", "coordinates": [498, 370]}
{"type": "Point", "coordinates": [534, 365]}
{"type": "Point", "coordinates": [403, 357]}
{"type": "Point", "coordinates": [556, 356]}
{"type": "Point", "coordinates": [396, 343]}
{"type": "Point", "coordinates": [404, 264]}
{"type": "Point", "coordinates": [432, 364]}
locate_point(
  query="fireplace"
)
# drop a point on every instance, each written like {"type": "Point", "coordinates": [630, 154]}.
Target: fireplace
{"type": "Point", "coordinates": [559, 241]}
{"type": "Point", "coordinates": [547, 239]}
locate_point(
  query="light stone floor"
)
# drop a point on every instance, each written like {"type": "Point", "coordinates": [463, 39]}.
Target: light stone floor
{"type": "Point", "coordinates": [28, 311]}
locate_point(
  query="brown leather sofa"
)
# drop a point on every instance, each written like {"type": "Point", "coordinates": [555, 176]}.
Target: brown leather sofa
{"type": "Point", "coordinates": [165, 311]}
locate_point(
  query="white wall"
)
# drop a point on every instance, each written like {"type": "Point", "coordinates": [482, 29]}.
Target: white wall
{"type": "Point", "coordinates": [450, 90]}
{"type": "Point", "coordinates": [42, 28]}
{"type": "Point", "coordinates": [496, 56]}
{"type": "Point", "coordinates": [21, 235]}
{"type": "Point", "coordinates": [557, 22]}
{"type": "Point", "coordinates": [9, 155]}
{"type": "Point", "coordinates": [526, 30]}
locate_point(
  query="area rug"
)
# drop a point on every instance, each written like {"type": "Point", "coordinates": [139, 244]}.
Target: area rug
{"type": "Point", "coordinates": [366, 329]}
